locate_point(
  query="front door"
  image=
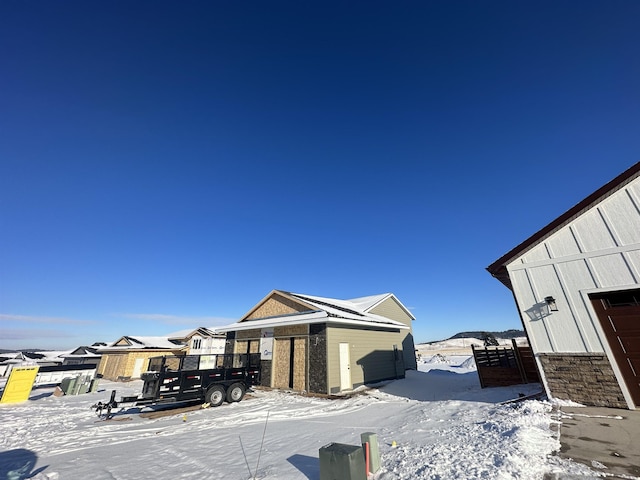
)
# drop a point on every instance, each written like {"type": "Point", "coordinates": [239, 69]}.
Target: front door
{"type": "Point", "coordinates": [345, 367]}
{"type": "Point", "coordinates": [619, 315]}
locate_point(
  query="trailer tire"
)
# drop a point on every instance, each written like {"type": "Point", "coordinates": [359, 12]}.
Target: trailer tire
{"type": "Point", "coordinates": [215, 395]}
{"type": "Point", "coordinates": [235, 392]}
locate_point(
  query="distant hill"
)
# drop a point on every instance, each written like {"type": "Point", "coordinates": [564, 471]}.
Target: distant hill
{"type": "Point", "coordinates": [507, 334]}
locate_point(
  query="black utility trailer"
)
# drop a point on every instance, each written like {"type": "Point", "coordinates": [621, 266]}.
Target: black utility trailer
{"type": "Point", "coordinates": [211, 379]}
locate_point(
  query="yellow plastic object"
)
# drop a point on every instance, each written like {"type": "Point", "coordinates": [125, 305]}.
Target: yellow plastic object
{"type": "Point", "coordinates": [19, 384]}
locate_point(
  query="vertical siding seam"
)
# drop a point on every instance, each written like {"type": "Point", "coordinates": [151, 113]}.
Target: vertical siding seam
{"type": "Point", "coordinates": [630, 266]}
{"type": "Point", "coordinates": [635, 202]}
{"type": "Point", "coordinates": [608, 224]}
{"type": "Point", "coordinates": [576, 236]}
{"type": "Point", "coordinates": [570, 304]}
{"type": "Point", "coordinates": [594, 273]}
{"type": "Point", "coordinates": [575, 239]}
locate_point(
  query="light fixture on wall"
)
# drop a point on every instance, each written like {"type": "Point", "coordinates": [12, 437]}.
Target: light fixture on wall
{"type": "Point", "coordinates": [551, 303]}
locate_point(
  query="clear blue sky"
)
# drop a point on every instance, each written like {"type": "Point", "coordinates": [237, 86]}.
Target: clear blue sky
{"type": "Point", "coordinates": [164, 165]}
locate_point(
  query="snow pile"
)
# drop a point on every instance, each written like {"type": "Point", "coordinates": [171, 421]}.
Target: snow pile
{"type": "Point", "coordinates": [469, 364]}
{"type": "Point", "coordinates": [455, 445]}
{"type": "Point", "coordinates": [443, 426]}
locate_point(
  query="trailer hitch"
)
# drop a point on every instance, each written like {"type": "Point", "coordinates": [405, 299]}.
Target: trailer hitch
{"type": "Point", "coordinates": [108, 406]}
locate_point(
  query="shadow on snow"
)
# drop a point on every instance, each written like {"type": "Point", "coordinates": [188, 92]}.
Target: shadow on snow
{"type": "Point", "coordinates": [18, 464]}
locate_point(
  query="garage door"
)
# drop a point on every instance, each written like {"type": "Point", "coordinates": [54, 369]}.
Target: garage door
{"type": "Point", "coordinates": [619, 314]}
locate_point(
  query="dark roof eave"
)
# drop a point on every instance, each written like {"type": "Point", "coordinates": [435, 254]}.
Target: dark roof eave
{"type": "Point", "coordinates": [498, 269]}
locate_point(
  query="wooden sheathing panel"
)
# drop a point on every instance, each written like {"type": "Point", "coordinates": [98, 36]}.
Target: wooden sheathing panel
{"type": "Point", "coordinates": [291, 331]}
{"type": "Point", "coordinates": [110, 365]}
{"type": "Point", "coordinates": [289, 368]}
{"type": "Point", "coordinates": [281, 362]}
{"type": "Point", "coordinates": [248, 334]}
{"type": "Point", "coordinates": [247, 346]}
{"type": "Point", "coordinates": [299, 364]}
{"type": "Point", "coordinates": [277, 305]}
{"type": "Point", "coordinates": [120, 366]}
{"type": "Point", "coordinates": [371, 355]}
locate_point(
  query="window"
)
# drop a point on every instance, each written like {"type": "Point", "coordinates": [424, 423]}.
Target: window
{"type": "Point", "coordinates": [196, 343]}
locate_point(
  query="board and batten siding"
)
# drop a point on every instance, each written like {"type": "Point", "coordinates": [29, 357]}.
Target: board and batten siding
{"type": "Point", "coordinates": [599, 250]}
{"type": "Point", "coordinates": [371, 355]}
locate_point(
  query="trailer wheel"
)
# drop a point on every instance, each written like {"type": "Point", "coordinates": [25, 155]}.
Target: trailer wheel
{"type": "Point", "coordinates": [235, 393]}
{"type": "Point", "coordinates": [215, 395]}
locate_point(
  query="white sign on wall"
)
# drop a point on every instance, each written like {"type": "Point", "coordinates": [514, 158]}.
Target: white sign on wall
{"type": "Point", "coordinates": [266, 344]}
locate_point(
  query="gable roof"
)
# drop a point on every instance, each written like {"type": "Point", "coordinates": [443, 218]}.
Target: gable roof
{"type": "Point", "coordinates": [186, 334]}
{"type": "Point", "coordinates": [82, 351]}
{"type": "Point", "coordinates": [499, 268]}
{"type": "Point", "coordinates": [354, 312]}
{"type": "Point", "coordinates": [143, 343]}
{"type": "Point", "coordinates": [371, 302]}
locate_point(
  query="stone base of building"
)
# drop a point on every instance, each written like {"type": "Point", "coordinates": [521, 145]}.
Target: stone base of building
{"type": "Point", "coordinates": [583, 378]}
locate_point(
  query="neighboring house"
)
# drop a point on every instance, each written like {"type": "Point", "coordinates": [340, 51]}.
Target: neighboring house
{"type": "Point", "coordinates": [82, 356]}
{"type": "Point", "coordinates": [128, 357]}
{"type": "Point", "coordinates": [20, 359]}
{"type": "Point", "coordinates": [576, 284]}
{"type": "Point", "coordinates": [325, 345]}
{"type": "Point", "coordinates": [201, 341]}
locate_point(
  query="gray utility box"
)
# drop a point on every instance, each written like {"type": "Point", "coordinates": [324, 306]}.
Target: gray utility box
{"type": "Point", "coordinates": [68, 384]}
{"type": "Point", "coordinates": [339, 461]}
{"type": "Point", "coordinates": [374, 452]}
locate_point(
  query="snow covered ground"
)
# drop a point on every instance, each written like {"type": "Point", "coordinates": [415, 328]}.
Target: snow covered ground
{"type": "Point", "coordinates": [437, 423]}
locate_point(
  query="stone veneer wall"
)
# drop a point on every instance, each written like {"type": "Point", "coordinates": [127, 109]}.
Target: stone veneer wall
{"type": "Point", "coordinates": [318, 358]}
{"type": "Point", "coordinates": [586, 378]}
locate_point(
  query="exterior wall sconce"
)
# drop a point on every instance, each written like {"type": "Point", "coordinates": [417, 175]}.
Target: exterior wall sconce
{"type": "Point", "coordinates": [551, 303]}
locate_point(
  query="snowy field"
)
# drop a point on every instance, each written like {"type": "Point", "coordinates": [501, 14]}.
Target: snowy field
{"type": "Point", "coordinates": [437, 423]}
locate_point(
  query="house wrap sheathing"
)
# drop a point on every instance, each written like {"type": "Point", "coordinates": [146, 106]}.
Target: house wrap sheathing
{"type": "Point", "coordinates": [324, 345]}
{"type": "Point", "coordinates": [576, 284]}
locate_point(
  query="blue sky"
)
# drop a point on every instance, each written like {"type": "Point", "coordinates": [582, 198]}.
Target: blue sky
{"type": "Point", "coordinates": [164, 165]}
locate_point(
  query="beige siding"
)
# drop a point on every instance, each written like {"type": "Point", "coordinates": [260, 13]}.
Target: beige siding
{"type": "Point", "coordinates": [391, 309]}
{"type": "Point", "coordinates": [371, 355]}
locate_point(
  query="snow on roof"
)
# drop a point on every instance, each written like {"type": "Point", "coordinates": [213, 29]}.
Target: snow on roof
{"type": "Point", "coordinates": [211, 331]}
{"type": "Point", "coordinates": [134, 343]}
{"type": "Point", "coordinates": [345, 312]}
{"type": "Point", "coordinates": [367, 303]}
{"type": "Point", "coordinates": [83, 351]}
{"type": "Point", "coordinates": [358, 309]}
{"type": "Point", "coordinates": [305, 318]}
